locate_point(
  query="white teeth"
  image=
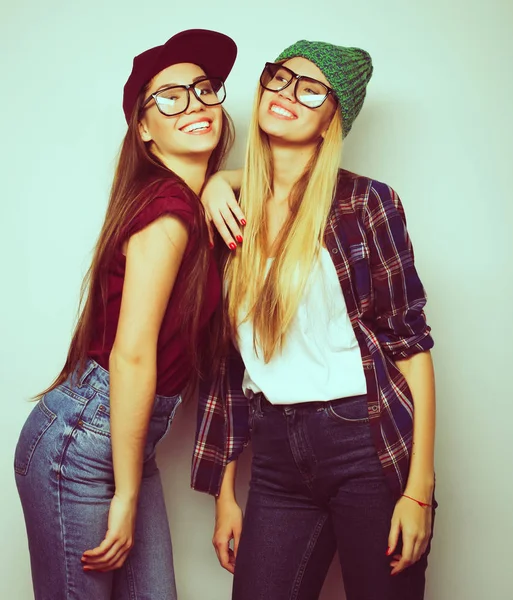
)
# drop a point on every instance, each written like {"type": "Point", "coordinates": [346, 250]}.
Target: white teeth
{"type": "Point", "coordinates": [196, 126]}
{"type": "Point", "coordinates": [281, 111]}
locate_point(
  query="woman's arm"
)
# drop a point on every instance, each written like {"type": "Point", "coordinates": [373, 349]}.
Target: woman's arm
{"type": "Point", "coordinates": [412, 520]}
{"type": "Point", "coordinates": [420, 377]}
{"type": "Point", "coordinates": [221, 206]}
{"type": "Point", "coordinates": [153, 258]}
{"type": "Point", "coordinates": [228, 524]}
{"type": "Point", "coordinates": [404, 336]}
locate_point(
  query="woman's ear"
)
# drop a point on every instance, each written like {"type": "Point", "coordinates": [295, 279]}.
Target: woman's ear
{"type": "Point", "coordinates": [144, 131]}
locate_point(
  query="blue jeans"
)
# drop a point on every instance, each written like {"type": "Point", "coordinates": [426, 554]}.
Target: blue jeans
{"type": "Point", "coordinates": [64, 474]}
{"type": "Point", "coordinates": [317, 487]}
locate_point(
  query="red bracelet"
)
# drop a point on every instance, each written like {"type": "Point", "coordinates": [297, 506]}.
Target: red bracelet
{"type": "Point", "coordinates": [421, 504]}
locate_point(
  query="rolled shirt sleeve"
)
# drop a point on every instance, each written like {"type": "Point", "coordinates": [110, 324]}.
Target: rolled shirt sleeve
{"type": "Point", "coordinates": [399, 296]}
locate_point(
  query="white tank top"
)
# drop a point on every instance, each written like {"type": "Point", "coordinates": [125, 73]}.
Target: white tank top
{"type": "Point", "coordinates": [320, 359]}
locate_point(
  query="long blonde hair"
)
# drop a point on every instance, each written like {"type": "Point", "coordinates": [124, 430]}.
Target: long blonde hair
{"type": "Point", "coordinates": [271, 301]}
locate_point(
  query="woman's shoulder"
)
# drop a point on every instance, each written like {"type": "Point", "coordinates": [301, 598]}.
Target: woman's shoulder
{"type": "Point", "coordinates": [363, 192]}
{"type": "Point", "coordinates": [166, 196]}
{"type": "Point", "coordinates": [170, 196]}
{"type": "Point", "coordinates": [171, 192]}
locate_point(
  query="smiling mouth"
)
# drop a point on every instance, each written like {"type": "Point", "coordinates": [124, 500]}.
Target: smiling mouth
{"type": "Point", "coordinates": [282, 112]}
{"type": "Point", "coordinates": [197, 127]}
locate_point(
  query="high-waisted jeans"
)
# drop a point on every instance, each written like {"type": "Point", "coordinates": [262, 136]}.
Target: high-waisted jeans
{"type": "Point", "coordinates": [64, 474]}
{"type": "Point", "coordinates": [317, 487]}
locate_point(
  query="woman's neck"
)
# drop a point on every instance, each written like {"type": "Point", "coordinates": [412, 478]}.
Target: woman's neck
{"type": "Point", "coordinates": [191, 169]}
{"type": "Point", "coordinates": [289, 163]}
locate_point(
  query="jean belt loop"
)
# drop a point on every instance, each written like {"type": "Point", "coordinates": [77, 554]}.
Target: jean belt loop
{"type": "Point", "coordinates": [258, 405]}
{"type": "Point", "coordinates": [89, 367]}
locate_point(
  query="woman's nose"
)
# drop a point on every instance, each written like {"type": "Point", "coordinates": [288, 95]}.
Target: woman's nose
{"type": "Point", "coordinates": [288, 92]}
{"type": "Point", "coordinates": [194, 103]}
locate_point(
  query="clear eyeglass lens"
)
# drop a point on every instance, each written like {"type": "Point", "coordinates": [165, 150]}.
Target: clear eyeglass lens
{"type": "Point", "coordinates": [276, 78]}
{"type": "Point", "coordinates": [172, 101]}
{"type": "Point", "coordinates": [211, 91]}
{"type": "Point", "coordinates": [311, 93]}
{"type": "Point", "coordinates": [311, 101]}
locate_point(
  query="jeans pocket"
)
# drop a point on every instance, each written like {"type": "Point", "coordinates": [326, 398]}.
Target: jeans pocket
{"type": "Point", "coordinates": [35, 427]}
{"type": "Point", "coordinates": [100, 421]}
{"type": "Point", "coordinates": [88, 456]}
{"type": "Point", "coordinates": [352, 411]}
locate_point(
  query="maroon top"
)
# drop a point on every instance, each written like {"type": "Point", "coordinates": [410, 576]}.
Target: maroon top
{"type": "Point", "coordinates": [174, 366]}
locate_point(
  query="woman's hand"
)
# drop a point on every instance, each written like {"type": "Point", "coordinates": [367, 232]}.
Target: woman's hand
{"type": "Point", "coordinates": [228, 526]}
{"type": "Point", "coordinates": [222, 209]}
{"type": "Point", "coordinates": [413, 523]}
{"type": "Point", "coordinates": [118, 541]}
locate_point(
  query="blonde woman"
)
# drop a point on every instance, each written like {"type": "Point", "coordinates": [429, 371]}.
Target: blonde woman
{"type": "Point", "coordinates": [329, 359]}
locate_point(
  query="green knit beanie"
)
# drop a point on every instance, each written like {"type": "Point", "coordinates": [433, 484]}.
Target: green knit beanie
{"type": "Point", "coordinates": [348, 71]}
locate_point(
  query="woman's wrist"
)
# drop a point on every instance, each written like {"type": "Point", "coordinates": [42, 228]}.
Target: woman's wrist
{"type": "Point", "coordinates": [419, 502]}
{"type": "Point", "coordinates": [226, 499]}
{"type": "Point", "coordinates": [127, 497]}
{"type": "Point", "coordinates": [227, 492]}
{"type": "Point", "coordinates": [225, 177]}
{"type": "Point", "coordinates": [421, 489]}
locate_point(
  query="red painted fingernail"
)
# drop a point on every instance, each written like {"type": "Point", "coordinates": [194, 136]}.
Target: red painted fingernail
{"type": "Point", "coordinates": [243, 221]}
{"type": "Point", "coordinates": [211, 245]}
{"type": "Point", "coordinates": [232, 246]}
{"type": "Point", "coordinates": [239, 239]}
{"type": "Point", "coordinates": [389, 551]}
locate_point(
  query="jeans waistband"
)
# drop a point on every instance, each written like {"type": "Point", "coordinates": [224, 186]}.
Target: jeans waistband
{"type": "Point", "coordinates": [84, 400]}
{"type": "Point", "coordinates": [313, 405]}
{"type": "Point", "coordinates": [98, 378]}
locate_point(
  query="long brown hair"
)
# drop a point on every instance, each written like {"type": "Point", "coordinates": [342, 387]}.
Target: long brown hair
{"type": "Point", "coordinates": [139, 171]}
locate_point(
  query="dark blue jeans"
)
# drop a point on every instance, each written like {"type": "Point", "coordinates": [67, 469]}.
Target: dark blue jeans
{"type": "Point", "coordinates": [317, 487]}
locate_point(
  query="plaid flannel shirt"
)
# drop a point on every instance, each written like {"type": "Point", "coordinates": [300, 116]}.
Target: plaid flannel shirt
{"type": "Point", "coordinates": [367, 238]}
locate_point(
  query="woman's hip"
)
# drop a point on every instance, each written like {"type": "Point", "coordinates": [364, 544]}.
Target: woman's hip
{"type": "Point", "coordinates": [71, 425]}
{"type": "Point", "coordinates": [319, 443]}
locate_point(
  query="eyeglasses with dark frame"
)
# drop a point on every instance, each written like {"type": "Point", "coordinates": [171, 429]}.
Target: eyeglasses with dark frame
{"type": "Point", "coordinates": [308, 91]}
{"type": "Point", "coordinates": [175, 99]}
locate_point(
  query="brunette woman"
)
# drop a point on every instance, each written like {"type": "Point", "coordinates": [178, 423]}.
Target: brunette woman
{"type": "Point", "coordinates": [330, 357]}
{"type": "Point", "coordinates": [85, 461]}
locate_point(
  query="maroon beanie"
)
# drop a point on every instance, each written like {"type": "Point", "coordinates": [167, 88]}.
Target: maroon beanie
{"type": "Point", "coordinates": [212, 51]}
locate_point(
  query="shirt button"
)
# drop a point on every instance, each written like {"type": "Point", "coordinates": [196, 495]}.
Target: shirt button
{"type": "Point", "coordinates": [334, 250]}
{"type": "Point", "coordinates": [374, 408]}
